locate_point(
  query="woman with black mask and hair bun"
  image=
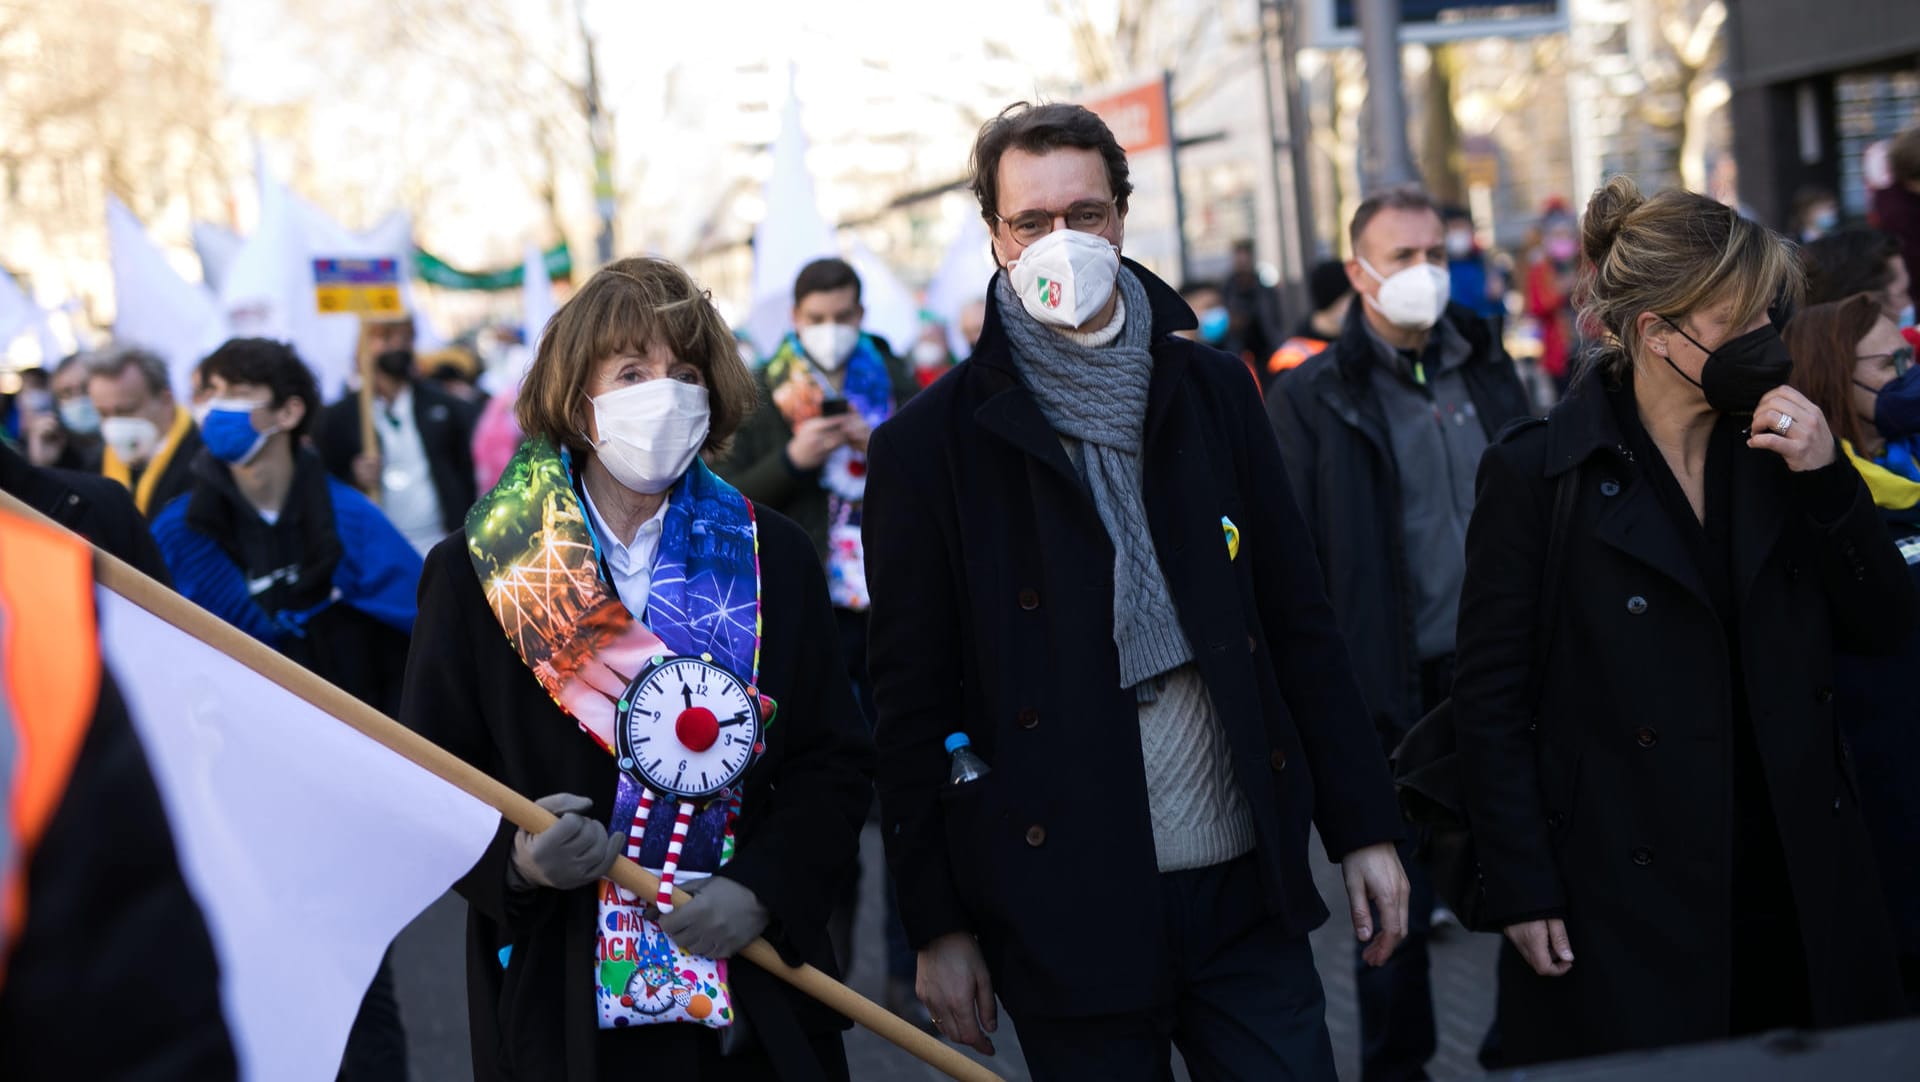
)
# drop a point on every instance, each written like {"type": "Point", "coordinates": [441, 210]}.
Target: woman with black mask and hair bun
{"type": "Point", "coordinates": [1658, 574]}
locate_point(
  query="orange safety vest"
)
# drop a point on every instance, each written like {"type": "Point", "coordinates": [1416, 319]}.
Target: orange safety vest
{"type": "Point", "coordinates": [1293, 353]}
{"type": "Point", "coordinates": [50, 678]}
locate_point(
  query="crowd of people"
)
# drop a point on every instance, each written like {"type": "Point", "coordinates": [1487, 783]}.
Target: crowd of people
{"type": "Point", "coordinates": [1100, 628]}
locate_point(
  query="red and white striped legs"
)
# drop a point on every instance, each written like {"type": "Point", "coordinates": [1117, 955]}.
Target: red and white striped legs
{"type": "Point", "coordinates": [636, 836]}
{"type": "Point", "coordinates": [678, 842]}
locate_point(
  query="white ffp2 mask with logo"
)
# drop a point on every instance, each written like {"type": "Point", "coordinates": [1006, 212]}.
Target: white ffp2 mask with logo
{"type": "Point", "coordinates": [1065, 277]}
{"type": "Point", "coordinates": [1412, 299]}
{"type": "Point", "coordinates": [131, 439]}
{"type": "Point", "coordinates": [829, 344]}
{"type": "Point", "coordinates": [650, 432]}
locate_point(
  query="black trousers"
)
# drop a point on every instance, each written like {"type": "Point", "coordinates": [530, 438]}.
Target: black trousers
{"type": "Point", "coordinates": [1397, 1033]}
{"type": "Point", "coordinates": [1244, 1001]}
{"type": "Point", "coordinates": [901, 959]}
{"type": "Point", "coordinates": [377, 1044]}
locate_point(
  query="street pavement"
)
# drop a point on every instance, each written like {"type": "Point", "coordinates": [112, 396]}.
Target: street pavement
{"type": "Point", "coordinates": [429, 970]}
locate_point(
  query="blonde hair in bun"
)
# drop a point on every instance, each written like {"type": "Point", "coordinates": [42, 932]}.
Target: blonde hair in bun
{"type": "Point", "coordinates": [1671, 254]}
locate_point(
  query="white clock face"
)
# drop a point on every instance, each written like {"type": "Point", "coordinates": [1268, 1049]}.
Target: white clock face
{"type": "Point", "coordinates": [688, 728]}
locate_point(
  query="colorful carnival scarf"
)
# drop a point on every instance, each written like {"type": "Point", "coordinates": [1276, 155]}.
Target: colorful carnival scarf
{"type": "Point", "coordinates": [798, 392]}
{"type": "Point", "coordinates": [538, 560]}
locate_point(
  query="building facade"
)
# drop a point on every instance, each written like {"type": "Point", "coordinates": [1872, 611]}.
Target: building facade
{"type": "Point", "coordinates": [1814, 85]}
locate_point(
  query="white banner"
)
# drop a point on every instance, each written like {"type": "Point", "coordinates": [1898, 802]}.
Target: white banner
{"type": "Point", "coordinates": [791, 235]}
{"type": "Point", "coordinates": [154, 306]}
{"type": "Point", "coordinates": [307, 844]}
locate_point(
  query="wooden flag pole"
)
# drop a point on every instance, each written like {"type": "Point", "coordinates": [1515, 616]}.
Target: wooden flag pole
{"type": "Point", "coordinates": [369, 439]}
{"type": "Point", "coordinates": [123, 579]}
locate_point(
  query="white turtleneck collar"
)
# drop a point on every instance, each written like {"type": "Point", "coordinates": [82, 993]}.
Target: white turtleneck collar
{"type": "Point", "coordinates": [1106, 334]}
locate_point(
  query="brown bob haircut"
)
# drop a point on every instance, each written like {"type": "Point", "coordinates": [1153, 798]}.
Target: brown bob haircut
{"type": "Point", "coordinates": [627, 307]}
{"type": "Point", "coordinates": [1824, 340]}
{"type": "Point", "coordinates": [1038, 129]}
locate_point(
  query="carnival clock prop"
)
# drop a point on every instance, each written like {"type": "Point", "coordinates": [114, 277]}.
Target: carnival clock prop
{"type": "Point", "coordinates": [687, 729]}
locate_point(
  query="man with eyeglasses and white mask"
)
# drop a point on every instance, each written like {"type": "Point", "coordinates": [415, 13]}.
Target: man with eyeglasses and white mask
{"type": "Point", "coordinates": [1382, 433]}
{"type": "Point", "coordinates": [1085, 557]}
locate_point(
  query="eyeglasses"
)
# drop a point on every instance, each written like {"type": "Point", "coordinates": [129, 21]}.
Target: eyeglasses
{"type": "Point", "coordinates": [1086, 216]}
{"type": "Point", "coordinates": [1902, 358]}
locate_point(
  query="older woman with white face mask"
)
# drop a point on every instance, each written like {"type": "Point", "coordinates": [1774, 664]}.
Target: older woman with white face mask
{"type": "Point", "coordinates": [621, 633]}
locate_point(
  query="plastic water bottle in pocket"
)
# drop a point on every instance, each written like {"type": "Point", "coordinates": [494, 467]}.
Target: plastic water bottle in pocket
{"type": "Point", "coordinates": [966, 766]}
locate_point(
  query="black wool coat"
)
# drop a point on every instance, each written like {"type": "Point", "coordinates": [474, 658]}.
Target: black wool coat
{"type": "Point", "coordinates": [446, 431]}
{"type": "Point", "coordinates": [95, 507]}
{"type": "Point", "coordinates": [104, 885]}
{"type": "Point", "coordinates": [992, 583]}
{"type": "Point", "coordinates": [798, 831]}
{"type": "Point", "coordinates": [1339, 456]}
{"type": "Point", "coordinates": [1611, 803]}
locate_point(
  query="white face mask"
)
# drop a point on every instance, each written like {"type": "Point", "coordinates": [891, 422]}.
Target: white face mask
{"type": "Point", "coordinates": [1065, 277]}
{"type": "Point", "coordinates": [929, 354]}
{"type": "Point", "coordinates": [1412, 299]}
{"type": "Point", "coordinates": [131, 439]}
{"type": "Point", "coordinates": [79, 416]}
{"type": "Point", "coordinates": [829, 344]}
{"type": "Point", "coordinates": [650, 432]}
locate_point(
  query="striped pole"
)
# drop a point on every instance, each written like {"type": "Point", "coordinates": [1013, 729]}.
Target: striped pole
{"type": "Point", "coordinates": [636, 835]}
{"type": "Point", "coordinates": [680, 823]}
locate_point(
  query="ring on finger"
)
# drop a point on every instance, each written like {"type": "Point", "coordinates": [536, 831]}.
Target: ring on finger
{"type": "Point", "coordinates": [1783, 424]}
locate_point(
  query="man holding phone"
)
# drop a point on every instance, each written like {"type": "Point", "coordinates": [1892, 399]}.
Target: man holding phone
{"type": "Point", "coordinates": [804, 454]}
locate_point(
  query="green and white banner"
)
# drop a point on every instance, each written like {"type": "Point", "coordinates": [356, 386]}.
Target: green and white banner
{"type": "Point", "coordinates": [432, 269]}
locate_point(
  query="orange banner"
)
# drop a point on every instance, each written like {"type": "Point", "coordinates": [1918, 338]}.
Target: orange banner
{"type": "Point", "coordinates": [1138, 117]}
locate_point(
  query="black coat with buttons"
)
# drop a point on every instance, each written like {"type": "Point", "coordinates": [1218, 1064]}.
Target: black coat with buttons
{"type": "Point", "coordinates": [1611, 803]}
{"type": "Point", "coordinates": [992, 585]}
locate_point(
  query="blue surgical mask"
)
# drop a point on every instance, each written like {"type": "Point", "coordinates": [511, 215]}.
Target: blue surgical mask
{"type": "Point", "coordinates": [79, 416]}
{"type": "Point", "coordinates": [1213, 325]}
{"type": "Point", "coordinates": [1896, 406]}
{"type": "Point", "coordinates": [226, 427]}
{"type": "Point", "coordinates": [1906, 317]}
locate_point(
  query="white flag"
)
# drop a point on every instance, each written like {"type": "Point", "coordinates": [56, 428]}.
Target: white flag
{"type": "Point", "coordinates": [217, 246]}
{"type": "Point", "coordinates": [307, 844]}
{"type": "Point", "coordinates": [536, 297]}
{"type": "Point", "coordinates": [892, 313]}
{"type": "Point", "coordinates": [964, 274]}
{"type": "Point", "coordinates": [17, 310]}
{"type": "Point", "coordinates": [268, 288]}
{"type": "Point", "coordinates": [791, 235]}
{"type": "Point", "coordinates": [153, 305]}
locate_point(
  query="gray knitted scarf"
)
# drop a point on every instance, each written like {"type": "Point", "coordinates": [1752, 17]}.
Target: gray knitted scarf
{"type": "Point", "coordinates": [1098, 395]}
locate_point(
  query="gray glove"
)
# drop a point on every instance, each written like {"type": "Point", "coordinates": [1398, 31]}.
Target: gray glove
{"type": "Point", "coordinates": [571, 853]}
{"type": "Point", "coordinates": [722, 918]}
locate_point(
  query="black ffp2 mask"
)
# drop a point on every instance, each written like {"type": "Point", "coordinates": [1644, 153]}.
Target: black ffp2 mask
{"type": "Point", "coordinates": [1741, 372]}
{"type": "Point", "coordinates": [395, 363]}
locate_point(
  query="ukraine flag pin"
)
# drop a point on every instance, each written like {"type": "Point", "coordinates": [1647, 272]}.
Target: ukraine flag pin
{"type": "Point", "coordinates": [1233, 537]}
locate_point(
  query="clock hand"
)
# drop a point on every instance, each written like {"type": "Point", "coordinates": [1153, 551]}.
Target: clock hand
{"type": "Point", "coordinates": [687, 692]}
{"type": "Point", "coordinates": [737, 719]}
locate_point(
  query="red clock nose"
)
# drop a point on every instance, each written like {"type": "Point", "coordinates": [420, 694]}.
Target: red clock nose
{"type": "Point", "coordinates": [697, 728]}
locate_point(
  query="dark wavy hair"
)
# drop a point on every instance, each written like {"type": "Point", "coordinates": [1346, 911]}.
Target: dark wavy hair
{"type": "Point", "coordinates": [263, 362]}
{"type": "Point", "coordinates": [1037, 129]}
{"type": "Point", "coordinates": [1846, 262]}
